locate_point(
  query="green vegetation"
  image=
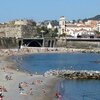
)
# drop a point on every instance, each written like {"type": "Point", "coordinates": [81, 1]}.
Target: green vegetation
{"type": "Point", "coordinates": [97, 17]}
{"type": "Point", "coordinates": [53, 22]}
{"type": "Point", "coordinates": [97, 32]}
{"type": "Point", "coordinates": [43, 31]}
{"type": "Point", "coordinates": [63, 35]}
{"type": "Point", "coordinates": [33, 23]}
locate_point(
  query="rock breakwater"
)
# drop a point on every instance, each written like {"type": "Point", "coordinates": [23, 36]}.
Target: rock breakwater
{"type": "Point", "coordinates": [74, 74]}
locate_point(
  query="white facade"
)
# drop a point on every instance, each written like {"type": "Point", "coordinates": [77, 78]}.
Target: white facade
{"type": "Point", "coordinates": [98, 27]}
{"type": "Point", "coordinates": [49, 26]}
{"type": "Point", "coordinates": [74, 29]}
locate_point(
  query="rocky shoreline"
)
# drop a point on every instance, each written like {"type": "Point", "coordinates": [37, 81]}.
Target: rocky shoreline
{"type": "Point", "coordinates": [74, 74]}
{"type": "Point", "coordinates": [32, 50]}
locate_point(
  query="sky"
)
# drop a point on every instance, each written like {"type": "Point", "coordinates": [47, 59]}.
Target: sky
{"type": "Point", "coordinates": [40, 10]}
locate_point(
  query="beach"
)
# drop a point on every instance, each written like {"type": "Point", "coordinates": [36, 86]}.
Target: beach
{"type": "Point", "coordinates": [33, 87]}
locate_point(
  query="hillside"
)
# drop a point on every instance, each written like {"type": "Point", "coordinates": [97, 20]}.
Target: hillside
{"type": "Point", "coordinates": [97, 17]}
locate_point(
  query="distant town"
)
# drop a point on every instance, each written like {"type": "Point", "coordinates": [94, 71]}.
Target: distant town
{"type": "Point", "coordinates": [19, 33]}
{"type": "Point", "coordinates": [26, 28]}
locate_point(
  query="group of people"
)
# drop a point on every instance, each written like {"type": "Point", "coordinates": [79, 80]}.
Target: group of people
{"type": "Point", "coordinates": [36, 82]}
{"type": "Point", "coordinates": [8, 77]}
{"type": "Point", "coordinates": [22, 85]}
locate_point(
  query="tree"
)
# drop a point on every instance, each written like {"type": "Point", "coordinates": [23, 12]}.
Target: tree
{"type": "Point", "coordinates": [55, 22]}
{"type": "Point", "coordinates": [84, 20]}
{"type": "Point", "coordinates": [63, 35]}
{"type": "Point", "coordinates": [56, 30]}
{"type": "Point", "coordinates": [97, 32]}
{"type": "Point", "coordinates": [33, 23]}
{"type": "Point", "coordinates": [74, 21]}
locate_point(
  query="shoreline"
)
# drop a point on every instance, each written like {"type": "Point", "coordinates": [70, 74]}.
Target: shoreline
{"type": "Point", "coordinates": [38, 50]}
{"type": "Point", "coordinates": [44, 87]}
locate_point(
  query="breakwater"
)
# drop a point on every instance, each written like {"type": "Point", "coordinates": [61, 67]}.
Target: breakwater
{"type": "Point", "coordinates": [74, 74]}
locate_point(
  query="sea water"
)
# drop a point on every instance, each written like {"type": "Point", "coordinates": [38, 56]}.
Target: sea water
{"type": "Point", "coordinates": [69, 89]}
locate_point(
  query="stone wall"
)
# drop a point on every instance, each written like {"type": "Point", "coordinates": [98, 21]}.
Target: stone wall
{"type": "Point", "coordinates": [82, 44]}
{"type": "Point", "coordinates": [60, 43]}
{"type": "Point", "coordinates": [27, 31]}
{"type": "Point", "coordinates": [18, 31]}
{"type": "Point", "coordinates": [8, 43]}
{"type": "Point", "coordinates": [77, 44]}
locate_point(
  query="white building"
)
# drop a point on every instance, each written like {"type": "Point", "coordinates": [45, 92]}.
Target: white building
{"type": "Point", "coordinates": [98, 26]}
{"type": "Point", "coordinates": [75, 29]}
{"type": "Point", "coordinates": [49, 26]}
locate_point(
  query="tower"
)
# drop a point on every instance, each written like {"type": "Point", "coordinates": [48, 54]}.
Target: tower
{"type": "Point", "coordinates": [62, 25]}
{"type": "Point", "coordinates": [49, 26]}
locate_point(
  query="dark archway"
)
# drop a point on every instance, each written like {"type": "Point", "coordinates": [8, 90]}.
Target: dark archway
{"type": "Point", "coordinates": [49, 43]}
{"type": "Point", "coordinates": [34, 44]}
{"type": "Point", "coordinates": [52, 43]}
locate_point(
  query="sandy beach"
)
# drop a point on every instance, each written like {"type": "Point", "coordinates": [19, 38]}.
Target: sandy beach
{"type": "Point", "coordinates": [18, 85]}
{"type": "Point", "coordinates": [33, 87]}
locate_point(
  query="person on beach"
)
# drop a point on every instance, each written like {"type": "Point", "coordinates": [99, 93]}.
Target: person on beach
{"type": "Point", "coordinates": [4, 89]}
{"type": "Point", "coordinates": [56, 94]}
{"type": "Point", "coordinates": [20, 88]}
{"type": "Point", "coordinates": [59, 97]}
{"type": "Point", "coordinates": [6, 77]}
{"type": "Point", "coordinates": [1, 95]}
{"type": "Point", "coordinates": [31, 91]}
